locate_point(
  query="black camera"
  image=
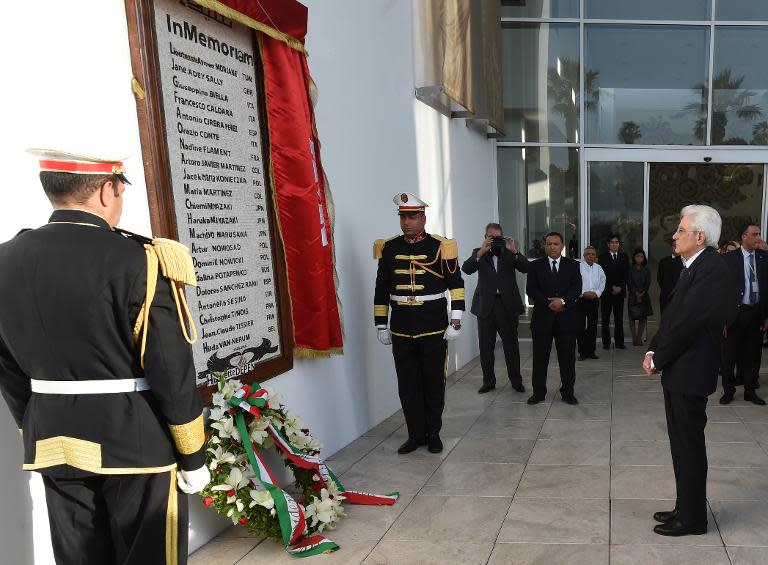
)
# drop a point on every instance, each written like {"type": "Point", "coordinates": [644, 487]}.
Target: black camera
{"type": "Point", "coordinates": [498, 242]}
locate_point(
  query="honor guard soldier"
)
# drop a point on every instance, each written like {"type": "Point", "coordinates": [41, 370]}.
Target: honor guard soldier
{"type": "Point", "coordinates": [415, 270]}
{"type": "Point", "coordinates": [96, 368]}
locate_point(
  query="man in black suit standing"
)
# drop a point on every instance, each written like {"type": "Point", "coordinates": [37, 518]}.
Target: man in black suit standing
{"type": "Point", "coordinates": [615, 264]}
{"type": "Point", "coordinates": [554, 285]}
{"type": "Point", "coordinates": [667, 275]}
{"type": "Point", "coordinates": [743, 342]}
{"type": "Point", "coordinates": [686, 350]}
{"type": "Point", "coordinates": [497, 303]}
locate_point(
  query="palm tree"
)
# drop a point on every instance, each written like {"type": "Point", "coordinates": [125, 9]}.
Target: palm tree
{"type": "Point", "coordinates": [563, 89]}
{"type": "Point", "coordinates": [729, 98]}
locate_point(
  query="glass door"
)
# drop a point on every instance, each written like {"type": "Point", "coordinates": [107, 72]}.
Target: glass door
{"type": "Point", "coordinates": [638, 193]}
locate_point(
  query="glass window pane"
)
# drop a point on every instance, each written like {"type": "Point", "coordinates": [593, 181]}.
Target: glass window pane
{"type": "Point", "coordinates": [548, 179]}
{"type": "Point", "coordinates": [740, 87]}
{"type": "Point", "coordinates": [616, 204]}
{"type": "Point", "coordinates": [646, 84]}
{"type": "Point", "coordinates": [647, 9]}
{"type": "Point", "coordinates": [539, 8]}
{"type": "Point", "coordinates": [742, 10]}
{"type": "Point", "coordinates": [540, 68]}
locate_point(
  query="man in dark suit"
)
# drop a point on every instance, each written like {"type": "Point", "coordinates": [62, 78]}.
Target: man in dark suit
{"type": "Point", "coordinates": [554, 285]}
{"type": "Point", "coordinates": [497, 303]}
{"type": "Point", "coordinates": [686, 350]}
{"type": "Point", "coordinates": [743, 343]}
{"type": "Point", "coordinates": [615, 264]}
{"type": "Point", "coordinates": [667, 275]}
{"type": "Point", "coordinates": [97, 372]}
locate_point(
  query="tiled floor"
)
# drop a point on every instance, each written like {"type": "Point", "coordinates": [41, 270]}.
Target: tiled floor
{"type": "Point", "coordinates": [547, 484]}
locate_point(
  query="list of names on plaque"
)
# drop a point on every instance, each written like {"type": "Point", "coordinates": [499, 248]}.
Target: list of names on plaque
{"type": "Point", "coordinates": [214, 146]}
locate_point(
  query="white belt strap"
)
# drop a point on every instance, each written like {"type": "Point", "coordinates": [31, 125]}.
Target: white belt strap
{"type": "Point", "coordinates": [421, 298]}
{"type": "Point", "coordinates": [108, 386]}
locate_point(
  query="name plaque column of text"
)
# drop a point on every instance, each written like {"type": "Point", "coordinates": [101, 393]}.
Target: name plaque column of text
{"type": "Point", "coordinates": [214, 146]}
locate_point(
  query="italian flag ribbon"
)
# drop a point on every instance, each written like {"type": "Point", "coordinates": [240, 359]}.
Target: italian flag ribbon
{"type": "Point", "coordinates": [252, 400]}
{"type": "Point", "coordinates": [289, 512]}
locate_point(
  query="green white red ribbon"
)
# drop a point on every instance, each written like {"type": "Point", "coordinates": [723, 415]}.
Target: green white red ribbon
{"type": "Point", "coordinates": [252, 400]}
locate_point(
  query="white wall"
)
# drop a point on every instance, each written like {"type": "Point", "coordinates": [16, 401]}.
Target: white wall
{"type": "Point", "coordinates": [377, 141]}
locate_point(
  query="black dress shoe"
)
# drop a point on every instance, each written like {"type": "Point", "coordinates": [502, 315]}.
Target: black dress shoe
{"type": "Point", "coordinates": [677, 528]}
{"type": "Point", "coordinates": [582, 357]}
{"type": "Point", "coordinates": [752, 397]}
{"type": "Point", "coordinates": [727, 398]}
{"type": "Point", "coordinates": [620, 346]}
{"type": "Point", "coordinates": [434, 444]}
{"type": "Point", "coordinates": [410, 445]}
{"type": "Point", "coordinates": [519, 387]}
{"type": "Point", "coordinates": [570, 399]}
{"type": "Point", "coordinates": [665, 516]}
{"type": "Point", "coordinates": [485, 388]}
{"type": "Point", "coordinates": [535, 399]}
{"type": "Point", "coordinates": [593, 356]}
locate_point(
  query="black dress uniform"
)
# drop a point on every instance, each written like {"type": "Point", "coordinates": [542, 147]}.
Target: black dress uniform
{"type": "Point", "coordinates": [408, 271]}
{"type": "Point", "coordinates": [72, 310]}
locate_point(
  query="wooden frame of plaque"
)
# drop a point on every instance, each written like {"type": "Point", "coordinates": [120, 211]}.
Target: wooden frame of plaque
{"type": "Point", "coordinates": [155, 143]}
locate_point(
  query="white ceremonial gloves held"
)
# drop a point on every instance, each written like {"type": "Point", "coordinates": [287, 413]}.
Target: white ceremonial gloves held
{"type": "Point", "coordinates": [384, 336]}
{"type": "Point", "coordinates": [451, 333]}
{"type": "Point", "coordinates": [191, 482]}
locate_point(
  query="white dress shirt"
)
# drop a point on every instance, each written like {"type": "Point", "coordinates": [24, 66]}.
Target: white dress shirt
{"type": "Point", "coordinates": [592, 278]}
{"type": "Point", "coordinates": [747, 269]}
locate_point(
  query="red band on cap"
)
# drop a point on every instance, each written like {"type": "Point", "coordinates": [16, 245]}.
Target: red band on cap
{"type": "Point", "coordinates": [84, 168]}
{"type": "Point", "coordinates": [412, 207]}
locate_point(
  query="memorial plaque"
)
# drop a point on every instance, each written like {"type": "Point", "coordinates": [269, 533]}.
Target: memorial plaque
{"type": "Point", "coordinates": [211, 182]}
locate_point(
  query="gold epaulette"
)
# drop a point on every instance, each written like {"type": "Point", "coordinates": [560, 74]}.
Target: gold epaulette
{"type": "Point", "coordinates": [171, 259]}
{"type": "Point", "coordinates": [378, 246]}
{"type": "Point", "coordinates": [449, 248]}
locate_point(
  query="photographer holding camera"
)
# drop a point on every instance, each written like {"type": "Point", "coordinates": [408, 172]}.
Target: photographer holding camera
{"type": "Point", "coordinates": [497, 302]}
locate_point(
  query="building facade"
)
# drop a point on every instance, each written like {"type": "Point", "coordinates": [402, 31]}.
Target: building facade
{"type": "Point", "coordinates": [618, 113]}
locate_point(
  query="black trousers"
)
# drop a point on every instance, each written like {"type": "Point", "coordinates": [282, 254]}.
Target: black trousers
{"type": "Point", "coordinates": [420, 364]}
{"type": "Point", "coordinates": [565, 343]}
{"type": "Point", "coordinates": [743, 349]}
{"type": "Point", "coordinates": [118, 520]}
{"type": "Point", "coordinates": [587, 337]}
{"type": "Point", "coordinates": [505, 324]}
{"type": "Point", "coordinates": [612, 303]}
{"type": "Point", "coordinates": [686, 420]}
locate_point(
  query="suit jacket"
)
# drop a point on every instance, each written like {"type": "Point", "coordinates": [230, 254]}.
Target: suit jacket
{"type": "Point", "coordinates": [687, 346]}
{"type": "Point", "coordinates": [70, 295]}
{"type": "Point", "coordinates": [542, 285]}
{"type": "Point", "coordinates": [616, 272]}
{"type": "Point", "coordinates": [489, 280]}
{"type": "Point", "coordinates": [735, 261]}
{"type": "Point", "coordinates": [666, 276]}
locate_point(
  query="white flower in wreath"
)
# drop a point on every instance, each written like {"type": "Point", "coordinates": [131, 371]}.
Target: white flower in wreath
{"type": "Point", "coordinates": [258, 429]}
{"type": "Point", "coordinates": [273, 397]}
{"type": "Point", "coordinates": [292, 425]}
{"type": "Point", "coordinates": [217, 413]}
{"type": "Point", "coordinates": [324, 511]}
{"type": "Point", "coordinates": [227, 429]}
{"type": "Point", "coordinates": [221, 457]}
{"type": "Point", "coordinates": [235, 481]}
{"type": "Point", "coordinates": [261, 498]}
{"type": "Point", "coordinates": [221, 398]}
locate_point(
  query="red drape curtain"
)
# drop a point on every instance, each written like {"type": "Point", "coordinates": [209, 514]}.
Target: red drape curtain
{"type": "Point", "coordinates": [297, 175]}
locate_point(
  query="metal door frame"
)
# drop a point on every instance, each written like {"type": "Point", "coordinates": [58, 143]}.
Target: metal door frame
{"type": "Point", "coordinates": [664, 154]}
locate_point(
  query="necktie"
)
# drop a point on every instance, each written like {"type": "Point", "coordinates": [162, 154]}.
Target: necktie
{"type": "Point", "coordinates": [752, 292]}
{"type": "Point", "coordinates": [614, 257]}
{"type": "Point", "coordinates": [554, 267]}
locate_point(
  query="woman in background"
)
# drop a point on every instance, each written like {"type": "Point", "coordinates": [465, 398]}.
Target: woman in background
{"type": "Point", "coordinates": [638, 301]}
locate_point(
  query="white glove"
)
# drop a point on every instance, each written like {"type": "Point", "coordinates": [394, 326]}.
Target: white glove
{"type": "Point", "coordinates": [384, 336]}
{"type": "Point", "coordinates": [191, 482]}
{"type": "Point", "coordinates": [451, 333]}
